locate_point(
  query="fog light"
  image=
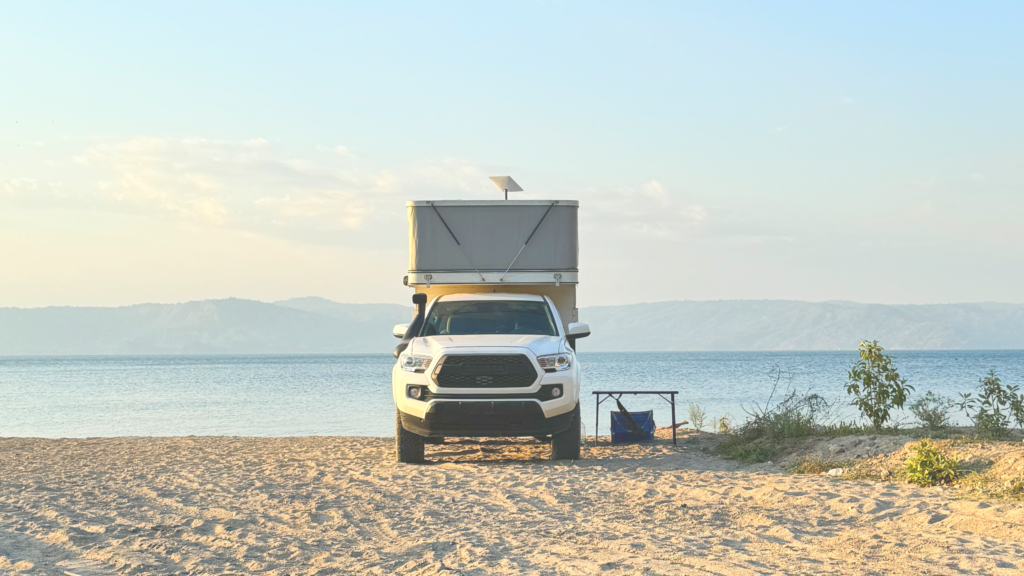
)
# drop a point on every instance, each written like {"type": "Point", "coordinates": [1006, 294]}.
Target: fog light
{"type": "Point", "coordinates": [415, 392]}
{"type": "Point", "coordinates": [556, 392]}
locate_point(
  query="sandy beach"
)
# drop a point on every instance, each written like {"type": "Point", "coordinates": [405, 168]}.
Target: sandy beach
{"type": "Point", "coordinates": [333, 505]}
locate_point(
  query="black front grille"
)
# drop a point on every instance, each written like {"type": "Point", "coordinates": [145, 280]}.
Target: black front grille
{"type": "Point", "coordinates": [492, 371]}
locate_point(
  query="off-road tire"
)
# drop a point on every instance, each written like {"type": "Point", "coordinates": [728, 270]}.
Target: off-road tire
{"type": "Point", "coordinates": [408, 446]}
{"type": "Point", "coordinates": [566, 445]}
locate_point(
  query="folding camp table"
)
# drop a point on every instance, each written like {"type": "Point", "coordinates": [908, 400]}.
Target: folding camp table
{"type": "Point", "coordinates": [668, 396]}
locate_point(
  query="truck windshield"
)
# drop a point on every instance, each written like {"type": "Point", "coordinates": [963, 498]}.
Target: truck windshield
{"type": "Point", "coordinates": [490, 317]}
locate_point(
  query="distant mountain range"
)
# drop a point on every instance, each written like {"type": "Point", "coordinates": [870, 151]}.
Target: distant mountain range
{"type": "Point", "coordinates": [789, 325]}
{"type": "Point", "coordinates": [231, 326]}
{"type": "Point", "coordinates": [319, 326]}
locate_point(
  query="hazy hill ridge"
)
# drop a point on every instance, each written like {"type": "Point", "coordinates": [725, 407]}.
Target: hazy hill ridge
{"type": "Point", "coordinates": [319, 326]}
{"type": "Point", "coordinates": [791, 325]}
{"type": "Point", "coordinates": [231, 326]}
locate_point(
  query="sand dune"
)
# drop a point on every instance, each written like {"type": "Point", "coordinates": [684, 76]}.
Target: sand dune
{"type": "Point", "coordinates": [340, 505]}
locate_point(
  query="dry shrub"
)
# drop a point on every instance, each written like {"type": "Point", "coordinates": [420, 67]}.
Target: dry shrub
{"type": "Point", "coordinates": [932, 411]}
{"type": "Point", "coordinates": [769, 431]}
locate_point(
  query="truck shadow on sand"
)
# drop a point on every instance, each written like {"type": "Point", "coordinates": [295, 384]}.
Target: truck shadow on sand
{"type": "Point", "coordinates": [693, 451]}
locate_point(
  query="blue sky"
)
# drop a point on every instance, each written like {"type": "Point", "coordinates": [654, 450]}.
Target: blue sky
{"type": "Point", "coordinates": [867, 151]}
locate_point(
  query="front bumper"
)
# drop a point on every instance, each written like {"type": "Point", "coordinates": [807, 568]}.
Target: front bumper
{"type": "Point", "coordinates": [486, 419]}
{"type": "Point", "coordinates": [487, 411]}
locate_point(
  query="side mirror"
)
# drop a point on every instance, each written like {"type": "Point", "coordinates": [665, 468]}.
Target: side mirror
{"type": "Point", "coordinates": [399, 330]}
{"type": "Point", "coordinates": [578, 330]}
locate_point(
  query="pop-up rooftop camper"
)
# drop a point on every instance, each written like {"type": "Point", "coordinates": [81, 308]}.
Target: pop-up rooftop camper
{"type": "Point", "coordinates": [491, 348]}
{"type": "Point", "coordinates": [516, 246]}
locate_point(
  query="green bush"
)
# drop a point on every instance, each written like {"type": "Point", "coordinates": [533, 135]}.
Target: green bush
{"type": "Point", "coordinates": [876, 385]}
{"type": "Point", "coordinates": [992, 409]}
{"type": "Point", "coordinates": [932, 411]}
{"type": "Point", "coordinates": [928, 467]}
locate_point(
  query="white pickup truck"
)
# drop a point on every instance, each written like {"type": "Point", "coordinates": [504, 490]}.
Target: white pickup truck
{"type": "Point", "coordinates": [493, 354]}
{"type": "Point", "coordinates": [487, 365]}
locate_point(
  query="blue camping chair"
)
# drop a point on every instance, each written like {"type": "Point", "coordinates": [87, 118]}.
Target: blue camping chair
{"type": "Point", "coordinates": [643, 420]}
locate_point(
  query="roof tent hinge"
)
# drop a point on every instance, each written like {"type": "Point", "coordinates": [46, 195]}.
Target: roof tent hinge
{"type": "Point", "coordinates": [528, 238]}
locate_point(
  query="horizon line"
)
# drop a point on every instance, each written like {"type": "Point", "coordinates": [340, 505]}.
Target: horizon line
{"type": "Point", "coordinates": [278, 302]}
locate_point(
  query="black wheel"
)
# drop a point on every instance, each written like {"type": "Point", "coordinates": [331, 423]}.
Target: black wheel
{"type": "Point", "coordinates": [566, 445]}
{"type": "Point", "coordinates": [408, 446]}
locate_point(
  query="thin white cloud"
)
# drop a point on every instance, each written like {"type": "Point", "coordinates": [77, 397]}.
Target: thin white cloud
{"type": "Point", "coordinates": [333, 198]}
{"type": "Point", "coordinates": [18, 187]}
{"type": "Point", "coordinates": [31, 191]}
{"type": "Point", "coordinates": [453, 174]}
{"type": "Point", "coordinates": [206, 209]}
{"type": "Point", "coordinates": [649, 210]}
{"type": "Point", "coordinates": [332, 209]}
{"type": "Point", "coordinates": [342, 151]}
{"type": "Point", "coordinates": [242, 184]}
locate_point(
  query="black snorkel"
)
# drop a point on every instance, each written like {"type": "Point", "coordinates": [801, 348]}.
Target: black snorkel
{"type": "Point", "coordinates": [420, 300]}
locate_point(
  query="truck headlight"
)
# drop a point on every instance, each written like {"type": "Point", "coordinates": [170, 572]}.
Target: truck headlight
{"type": "Point", "coordinates": [555, 362]}
{"type": "Point", "coordinates": [413, 363]}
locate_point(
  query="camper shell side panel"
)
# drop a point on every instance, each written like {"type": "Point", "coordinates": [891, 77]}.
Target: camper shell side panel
{"type": "Point", "coordinates": [470, 242]}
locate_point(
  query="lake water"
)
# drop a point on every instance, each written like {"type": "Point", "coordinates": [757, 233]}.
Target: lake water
{"type": "Point", "coordinates": [351, 394]}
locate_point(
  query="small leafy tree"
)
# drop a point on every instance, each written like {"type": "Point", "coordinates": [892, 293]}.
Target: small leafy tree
{"type": "Point", "coordinates": [991, 410]}
{"type": "Point", "coordinates": [932, 410]}
{"type": "Point", "coordinates": [875, 384]}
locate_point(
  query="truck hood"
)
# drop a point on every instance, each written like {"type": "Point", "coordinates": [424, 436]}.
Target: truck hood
{"type": "Point", "coordinates": [539, 345]}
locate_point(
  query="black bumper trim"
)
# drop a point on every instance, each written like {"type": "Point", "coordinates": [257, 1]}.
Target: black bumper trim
{"type": "Point", "coordinates": [486, 419]}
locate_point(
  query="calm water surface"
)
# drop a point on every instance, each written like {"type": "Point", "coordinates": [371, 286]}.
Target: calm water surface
{"type": "Point", "coordinates": [351, 394]}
